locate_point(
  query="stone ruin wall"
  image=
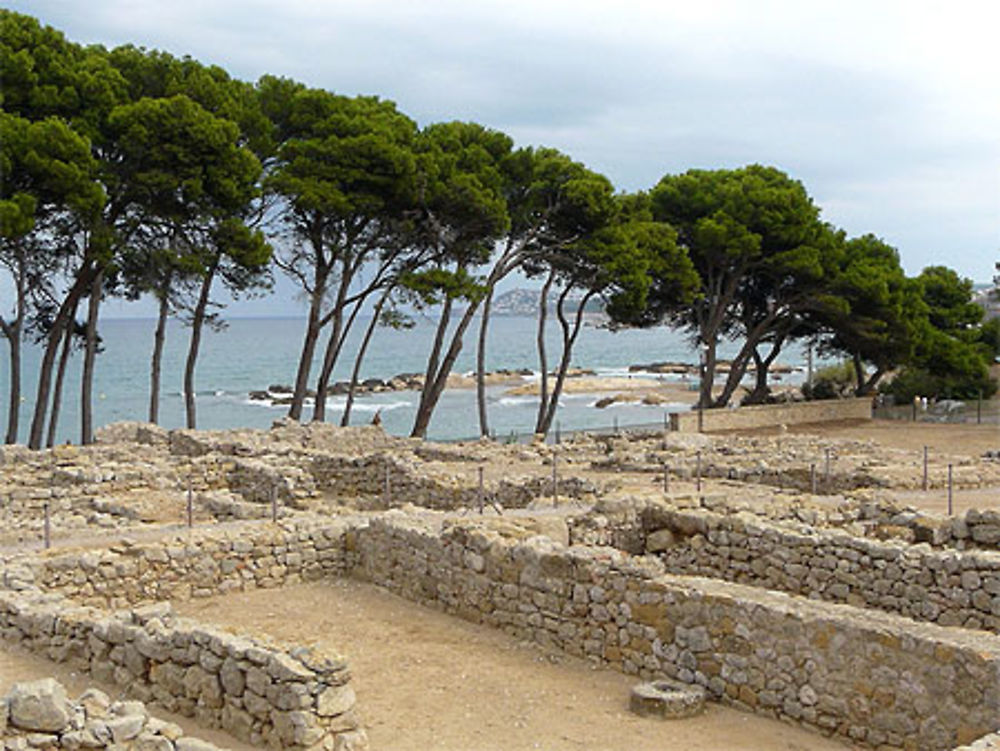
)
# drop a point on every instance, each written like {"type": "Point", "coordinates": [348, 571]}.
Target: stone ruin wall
{"type": "Point", "coordinates": [275, 696]}
{"type": "Point", "coordinates": [944, 586]}
{"type": "Point", "coordinates": [870, 677]}
{"type": "Point", "coordinates": [767, 415]}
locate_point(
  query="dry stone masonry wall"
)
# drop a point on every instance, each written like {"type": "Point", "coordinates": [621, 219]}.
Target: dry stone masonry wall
{"type": "Point", "coordinates": [265, 694]}
{"type": "Point", "coordinates": [948, 587]}
{"type": "Point", "coordinates": [874, 678]}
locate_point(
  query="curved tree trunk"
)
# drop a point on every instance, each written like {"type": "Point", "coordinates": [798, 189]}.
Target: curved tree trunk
{"type": "Point", "coordinates": [13, 331]}
{"type": "Point", "coordinates": [89, 357]}
{"type": "Point", "coordinates": [155, 367]}
{"type": "Point", "coordinates": [438, 376]}
{"type": "Point", "coordinates": [305, 361]}
{"type": "Point", "coordinates": [197, 323]}
{"type": "Point", "coordinates": [484, 424]}
{"type": "Point", "coordinates": [345, 420]}
{"type": "Point", "coordinates": [543, 362]}
{"type": "Point", "coordinates": [569, 335]}
{"type": "Point", "coordinates": [67, 343]}
{"type": "Point", "coordinates": [333, 349]}
{"type": "Point", "coordinates": [63, 319]}
{"type": "Point", "coordinates": [435, 355]}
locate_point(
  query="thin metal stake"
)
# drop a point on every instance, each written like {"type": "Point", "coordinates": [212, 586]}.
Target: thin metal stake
{"type": "Point", "coordinates": [950, 494]}
{"type": "Point", "coordinates": [387, 492]}
{"type": "Point", "coordinates": [812, 477]}
{"type": "Point", "coordinates": [274, 502]}
{"type": "Point", "coordinates": [925, 468]}
{"type": "Point", "coordinates": [555, 480]}
{"type": "Point", "coordinates": [481, 490]}
{"type": "Point", "coordinates": [190, 504]}
{"type": "Point", "coordinates": [48, 526]}
{"type": "Point", "coordinates": [616, 424]}
{"type": "Point", "coordinates": [666, 478]}
{"type": "Point", "coordinates": [698, 470]}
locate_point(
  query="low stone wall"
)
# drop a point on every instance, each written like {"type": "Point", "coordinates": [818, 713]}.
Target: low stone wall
{"type": "Point", "coordinates": [287, 698]}
{"type": "Point", "coordinates": [411, 481]}
{"type": "Point", "coordinates": [870, 677]}
{"type": "Point", "coordinates": [201, 563]}
{"type": "Point", "coordinates": [948, 587]}
{"type": "Point", "coordinates": [38, 714]}
{"type": "Point", "coordinates": [767, 415]}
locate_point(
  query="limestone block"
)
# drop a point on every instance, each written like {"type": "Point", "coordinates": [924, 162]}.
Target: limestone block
{"type": "Point", "coordinates": [39, 706]}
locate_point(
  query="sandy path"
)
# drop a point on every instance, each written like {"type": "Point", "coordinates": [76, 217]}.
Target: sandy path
{"type": "Point", "coordinates": [429, 681]}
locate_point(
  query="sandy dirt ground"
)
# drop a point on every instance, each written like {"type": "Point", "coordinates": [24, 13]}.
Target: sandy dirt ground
{"type": "Point", "coordinates": [429, 681]}
{"type": "Point", "coordinates": [955, 439]}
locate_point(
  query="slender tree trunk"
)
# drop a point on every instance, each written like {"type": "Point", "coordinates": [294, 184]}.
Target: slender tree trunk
{"type": "Point", "coordinates": [762, 366]}
{"type": "Point", "coordinates": [859, 374]}
{"type": "Point", "coordinates": [67, 343]}
{"type": "Point", "coordinates": [89, 357]}
{"type": "Point", "coordinates": [869, 385]}
{"type": "Point", "coordinates": [543, 362]}
{"type": "Point", "coordinates": [329, 360]}
{"type": "Point", "coordinates": [333, 349]}
{"type": "Point", "coordinates": [305, 359]}
{"type": "Point", "coordinates": [345, 420]}
{"type": "Point", "coordinates": [435, 355]}
{"type": "Point", "coordinates": [197, 323]}
{"type": "Point", "coordinates": [484, 322]}
{"type": "Point", "coordinates": [13, 332]}
{"type": "Point", "coordinates": [737, 370]}
{"type": "Point", "coordinates": [434, 389]}
{"type": "Point", "coordinates": [155, 367]}
{"type": "Point", "coordinates": [63, 318]}
{"type": "Point", "coordinates": [569, 335]}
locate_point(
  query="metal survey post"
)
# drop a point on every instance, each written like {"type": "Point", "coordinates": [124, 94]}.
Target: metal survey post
{"type": "Point", "coordinates": [950, 490]}
{"type": "Point", "coordinates": [47, 526]}
{"type": "Point", "coordinates": [481, 494]}
{"type": "Point", "coordinates": [190, 504]}
{"type": "Point", "coordinates": [925, 469]}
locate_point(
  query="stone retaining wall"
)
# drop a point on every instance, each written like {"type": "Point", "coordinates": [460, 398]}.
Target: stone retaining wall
{"type": "Point", "coordinates": [201, 563]}
{"type": "Point", "coordinates": [767, 415]}
{"type": "Point", "coordinates": [870, 677]}
{"type": "Point", "coordinates": [948, 587]}
{"type": "Point", "coordinates": [282, 698]}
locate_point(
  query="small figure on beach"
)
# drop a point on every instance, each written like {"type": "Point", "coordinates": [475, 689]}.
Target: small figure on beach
{"type": "Point", "coordinates": [377, 419]}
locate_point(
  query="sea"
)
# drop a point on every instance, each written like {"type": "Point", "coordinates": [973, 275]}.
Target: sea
{"type": "Point", "coordinates": [251, 354]}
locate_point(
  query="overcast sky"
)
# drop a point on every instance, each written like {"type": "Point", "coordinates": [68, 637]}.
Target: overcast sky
{"type": "Point", "coordinates": [888, 112]}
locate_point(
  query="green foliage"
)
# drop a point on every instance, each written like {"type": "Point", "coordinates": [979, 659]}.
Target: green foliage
{"type": "Point", "coordinates": [873, 311]}
{"type": "Point", "coordinates": [45, 168]}
{"type": "Point", "coordinates": [832, 382]}
{"type": "Point", "coordinates": [989, 338]}
{"type": "Point", "coordinates": [949, 301]}
{"type": "Point", "coordinates": [459, 188]}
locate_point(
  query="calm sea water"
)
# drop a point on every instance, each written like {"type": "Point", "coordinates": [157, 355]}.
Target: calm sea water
{"type": "Point", "coordinates": [250, 354]}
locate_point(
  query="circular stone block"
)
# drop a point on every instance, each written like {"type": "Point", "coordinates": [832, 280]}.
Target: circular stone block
{"type": "Point", "coordinates": [667, 700]}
